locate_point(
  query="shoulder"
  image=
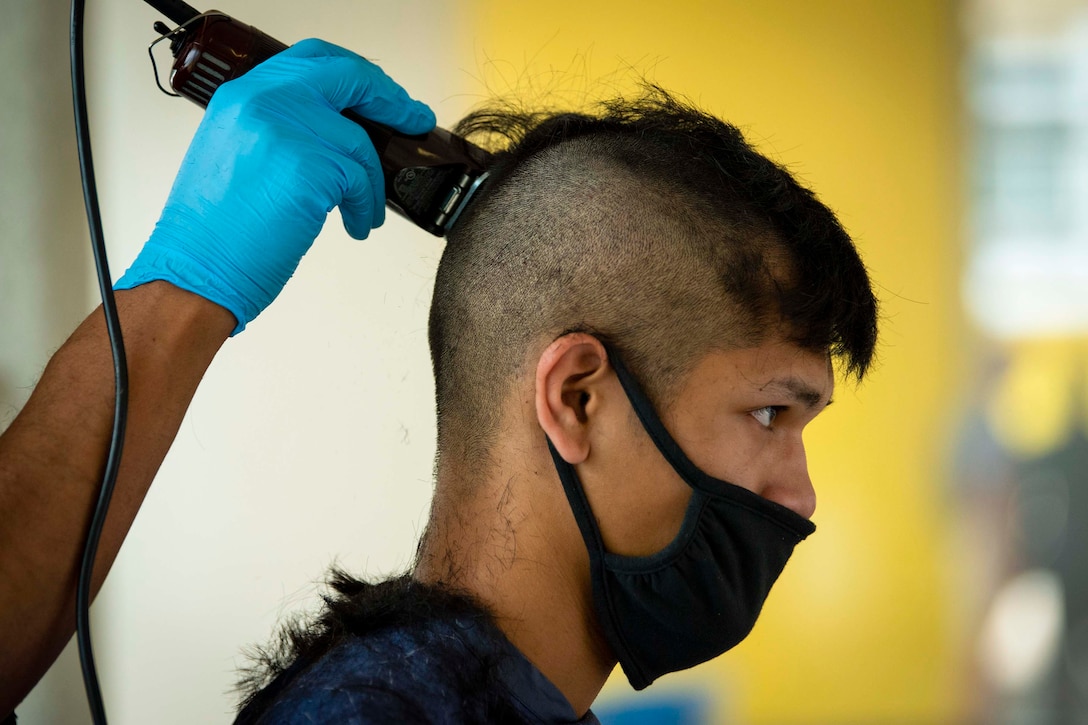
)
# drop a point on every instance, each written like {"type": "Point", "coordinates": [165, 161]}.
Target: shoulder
{"type": "Point", "coordinates": [410, 674]}
{"type": "Point", "coordinates": [350, 704]}
{"type": "Point", "coordinates": [392, 651]}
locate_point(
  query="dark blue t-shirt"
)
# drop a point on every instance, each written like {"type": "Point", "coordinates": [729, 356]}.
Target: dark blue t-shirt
{"type": "Point", "coordinates": [453, 670]}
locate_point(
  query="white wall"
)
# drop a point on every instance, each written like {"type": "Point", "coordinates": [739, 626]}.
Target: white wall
{"type": "Point", "coordinates": [44, 250]}
{"type": "Point", "coordinates": [311, 438]}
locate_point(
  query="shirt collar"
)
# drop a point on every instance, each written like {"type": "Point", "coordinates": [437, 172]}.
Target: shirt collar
{"type": "Point", "coordinates": [533, 694]}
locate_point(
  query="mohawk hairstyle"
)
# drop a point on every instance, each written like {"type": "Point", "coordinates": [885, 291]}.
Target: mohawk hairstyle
{"type": "Point", "coordinates": [649, 223]}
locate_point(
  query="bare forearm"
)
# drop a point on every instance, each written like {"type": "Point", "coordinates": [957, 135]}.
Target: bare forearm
{"type": "Point", "coordinates": [53, 455]}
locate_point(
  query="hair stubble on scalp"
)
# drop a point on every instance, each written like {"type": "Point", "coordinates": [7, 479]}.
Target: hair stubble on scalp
{"type": "Point", "coordinates": [648, 223]}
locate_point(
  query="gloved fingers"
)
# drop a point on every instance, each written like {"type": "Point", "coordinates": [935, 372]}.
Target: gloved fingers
{"type": "Point", "coordinates": [349, 139]}
{"type": "Point", "coordinates": [360, 209]}
{"type": "Point", "coordinates": [348, 80]}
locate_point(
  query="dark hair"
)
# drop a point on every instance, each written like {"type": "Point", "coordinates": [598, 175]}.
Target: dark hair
{"type": "Point", "coordinates": [650, 223]}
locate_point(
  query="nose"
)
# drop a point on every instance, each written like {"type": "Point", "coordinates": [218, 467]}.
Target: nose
{"type": "Point", "coordinates": [789, 484]}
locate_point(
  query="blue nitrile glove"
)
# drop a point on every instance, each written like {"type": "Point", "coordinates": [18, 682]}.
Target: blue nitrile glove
{"type": "Point", "coordinates": [271, 158]}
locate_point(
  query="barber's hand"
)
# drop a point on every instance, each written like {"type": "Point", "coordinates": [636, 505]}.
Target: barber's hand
{"type": "Point", "coordinates": [271, 158]}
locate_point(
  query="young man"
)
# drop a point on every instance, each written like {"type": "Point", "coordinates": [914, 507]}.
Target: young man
{"type": "Point", "coordinates": [631, 326]}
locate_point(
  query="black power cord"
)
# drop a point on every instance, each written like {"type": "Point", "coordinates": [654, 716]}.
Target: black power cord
{"type": "Point", "coordinates": [120, 371]}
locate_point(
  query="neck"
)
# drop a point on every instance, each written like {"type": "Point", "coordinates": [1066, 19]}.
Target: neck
{"type": "Point", "coordinates": [510, 541]}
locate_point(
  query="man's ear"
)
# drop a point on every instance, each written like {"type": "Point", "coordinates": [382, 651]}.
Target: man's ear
{"type": "Point", "coordinates": [566, 392]}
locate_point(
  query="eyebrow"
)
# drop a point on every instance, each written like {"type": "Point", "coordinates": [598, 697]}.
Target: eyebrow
{"type": "Point", "coordinates": [797, 389]}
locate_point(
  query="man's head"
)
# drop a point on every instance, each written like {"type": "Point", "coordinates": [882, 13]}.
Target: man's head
{"type": "Point", "coordinates": [654, 235]}
{"type": "Point", "coordinates": [651, 225]}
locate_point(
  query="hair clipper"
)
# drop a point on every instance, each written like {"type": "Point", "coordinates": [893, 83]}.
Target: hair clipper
{"type": "Point", "coordinates": [429, 179]}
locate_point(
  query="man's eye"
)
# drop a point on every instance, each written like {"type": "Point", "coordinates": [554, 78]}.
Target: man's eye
{"type": "Point", "coordinates": [766, 416]}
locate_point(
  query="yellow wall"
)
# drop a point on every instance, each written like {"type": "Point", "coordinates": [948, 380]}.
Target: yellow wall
{"type": "Point", "coordinates": [858, 98]}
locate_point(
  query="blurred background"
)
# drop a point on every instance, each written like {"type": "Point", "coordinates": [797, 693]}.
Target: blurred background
{"type": "Point", "coordinates": [944, 584]}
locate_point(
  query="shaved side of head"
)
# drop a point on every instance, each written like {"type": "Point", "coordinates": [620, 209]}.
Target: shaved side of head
{"type": "Point", "coordinates": [650, 224]}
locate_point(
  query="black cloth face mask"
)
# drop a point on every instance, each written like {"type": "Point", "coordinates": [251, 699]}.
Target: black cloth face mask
{"type": "Point", "coordinates": [702, 593]}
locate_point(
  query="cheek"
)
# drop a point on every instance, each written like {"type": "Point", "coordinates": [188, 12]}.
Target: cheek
{"type": "Point", "coordinates": [638, 499]}
{"type": "Point", "coordinates": [728, 447]}
{"type": "Point", "coordinates": [663, 499]}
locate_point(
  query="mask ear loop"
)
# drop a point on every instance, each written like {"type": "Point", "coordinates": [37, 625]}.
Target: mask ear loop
{"type": "Point", "coordinates": [591, 535]}
{"type": "Point", "coordinates": [694, 476]}
{"type": "Point", "coordinates": [651, 422]}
